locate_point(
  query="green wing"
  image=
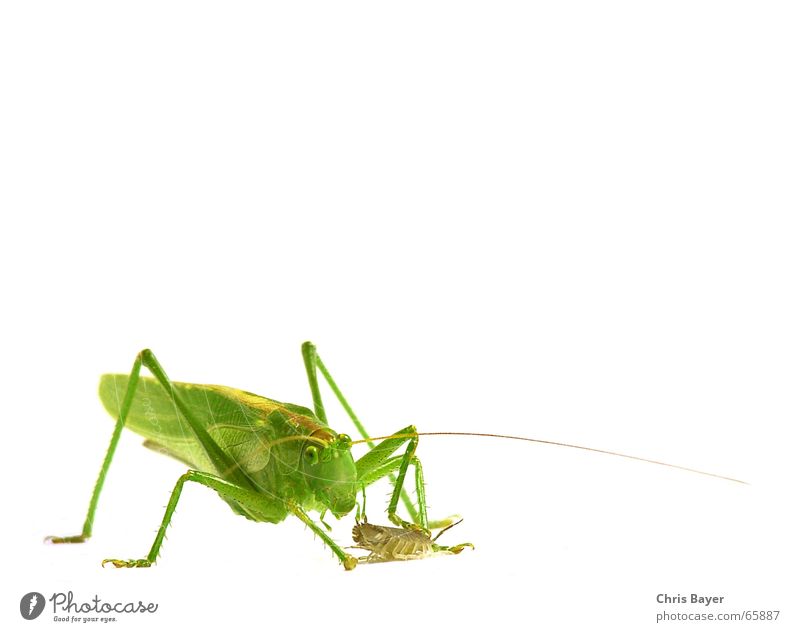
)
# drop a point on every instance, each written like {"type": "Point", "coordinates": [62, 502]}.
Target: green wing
{"type": "Point", "coordinates": [244, 425]}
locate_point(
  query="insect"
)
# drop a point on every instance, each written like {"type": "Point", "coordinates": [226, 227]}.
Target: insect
{"type": "Point", "coordinates": [387, 544]}
{"type": "Point", "coordinates": [268, 460]}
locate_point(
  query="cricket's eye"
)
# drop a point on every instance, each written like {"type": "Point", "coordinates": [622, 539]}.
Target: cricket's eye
{"type": "Point", "coordinates": [311, 454]}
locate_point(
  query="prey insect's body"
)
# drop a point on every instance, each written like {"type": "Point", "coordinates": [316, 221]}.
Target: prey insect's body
{"type": "Point", "coordinates": [391, 544]}
{"type": "Point", "coordinates": [266, 459]}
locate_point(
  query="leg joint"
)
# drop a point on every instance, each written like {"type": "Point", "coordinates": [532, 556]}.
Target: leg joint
{"type": "Point", "coordinates": [308, 348]}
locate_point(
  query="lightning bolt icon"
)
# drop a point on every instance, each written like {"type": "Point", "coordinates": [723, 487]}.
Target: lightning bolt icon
{"type": "Point", "coordinates": [32, 604]}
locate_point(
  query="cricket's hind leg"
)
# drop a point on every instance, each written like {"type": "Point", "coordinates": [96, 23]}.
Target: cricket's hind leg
{"type": "Point", "coordinates": [86, 533]}
{"type": "Point", "coordinates": [222, 461]}
{"type": "Point", "coordinates": [313, 363]}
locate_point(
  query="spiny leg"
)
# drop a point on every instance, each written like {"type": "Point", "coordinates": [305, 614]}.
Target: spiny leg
{"type": "Point", "coordinates": [379, 462]}
{"type": "Point", "coordinates": [86, 533]}
{"type": "Point", "coordinates": [313, 363]}
{"type": "Point", "coordinates": [252, 501]}
{"type": "Point", "coordinates": [222, 461]}
{"type": "Point", "coordinates": [348, 561]}
{"type": "Point", "coordinates": [192, 475]}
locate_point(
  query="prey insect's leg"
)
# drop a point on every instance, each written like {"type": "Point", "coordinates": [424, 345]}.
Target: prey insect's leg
{"type": "Point", "coordinates": [223, 463]}
{"type": "Point", "coordinates": [456, 548]}
{"type": "Point", "coordinates": [313, 363]}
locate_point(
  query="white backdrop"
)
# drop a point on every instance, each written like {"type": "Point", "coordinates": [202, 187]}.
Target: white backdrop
{"type": "Point", "coordinates": [571, 221]}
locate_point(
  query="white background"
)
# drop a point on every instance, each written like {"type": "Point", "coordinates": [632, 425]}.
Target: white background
{"type": "Point", "coordinates": [572, 221]}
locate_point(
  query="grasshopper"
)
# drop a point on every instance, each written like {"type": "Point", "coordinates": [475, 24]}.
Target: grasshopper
{"type": "Point", "coordinates": [267, 459]}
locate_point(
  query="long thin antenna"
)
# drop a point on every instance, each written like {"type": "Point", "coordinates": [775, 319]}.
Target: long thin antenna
{"type": "Point", "coordinates": [555, 443]}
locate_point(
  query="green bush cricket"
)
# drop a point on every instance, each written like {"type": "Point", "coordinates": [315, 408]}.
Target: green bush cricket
{"type": "Point", "coordinates": [268, 459]}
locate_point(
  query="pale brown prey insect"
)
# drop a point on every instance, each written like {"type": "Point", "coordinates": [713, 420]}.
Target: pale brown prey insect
{"type": "Point", "coordinates": [392, 544]}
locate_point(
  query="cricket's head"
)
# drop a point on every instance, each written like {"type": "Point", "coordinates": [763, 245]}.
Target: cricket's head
{"type": "Point", "coordinates": [330, 470]}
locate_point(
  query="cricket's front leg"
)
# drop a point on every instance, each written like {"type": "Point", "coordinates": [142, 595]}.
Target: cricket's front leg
{"type": "Point", "coordinates": [314, 364]}
{"type": "Point", "coordinates": [379, 462]}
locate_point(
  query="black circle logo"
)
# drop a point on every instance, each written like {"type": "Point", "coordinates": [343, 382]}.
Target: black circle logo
{"type": "Point", "coordinates": [31, 605]}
